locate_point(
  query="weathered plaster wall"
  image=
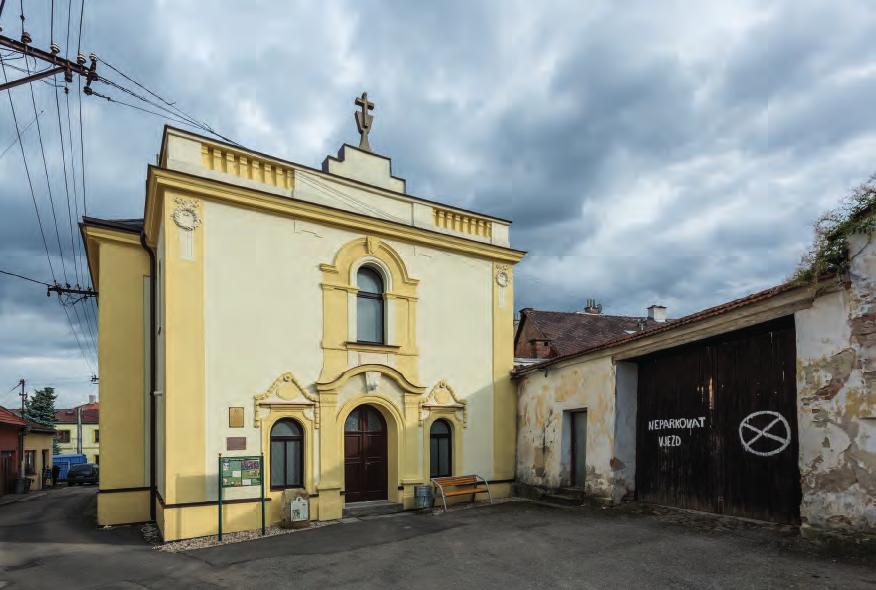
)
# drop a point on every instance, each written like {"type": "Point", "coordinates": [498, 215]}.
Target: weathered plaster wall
{"type": "Point", "coordinates": [836, 347]}
{"type": "Point", "coordinates": [542, 400]}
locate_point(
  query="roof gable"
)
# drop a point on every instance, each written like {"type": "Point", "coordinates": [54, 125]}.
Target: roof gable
{"type": "Point", "coordinates": [570, 332]}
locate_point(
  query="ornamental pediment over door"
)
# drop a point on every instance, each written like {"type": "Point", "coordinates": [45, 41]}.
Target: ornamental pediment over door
{"type": "Point", "coordinates": [286, 392]}
{"type": "Point", "coordinates": [443, 399]}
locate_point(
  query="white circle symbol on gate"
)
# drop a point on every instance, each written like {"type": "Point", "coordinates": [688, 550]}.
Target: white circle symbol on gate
{"type": "Point", "coordinates": [776, 430]}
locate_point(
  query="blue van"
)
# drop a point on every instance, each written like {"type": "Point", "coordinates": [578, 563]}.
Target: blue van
{"type": "Point", "coordinates": [66, 461]}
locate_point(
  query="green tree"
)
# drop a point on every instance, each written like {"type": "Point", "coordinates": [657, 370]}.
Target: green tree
{"type": "Point", "coordinates": [40, 408]}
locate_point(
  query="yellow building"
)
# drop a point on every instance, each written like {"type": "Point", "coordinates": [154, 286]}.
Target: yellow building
{"type": "Point", "coordinates": [359, 336]}
{"type": "Point", "coordinates": [79, 430]}
{"type": "Point", "coordinates": [37, 453]}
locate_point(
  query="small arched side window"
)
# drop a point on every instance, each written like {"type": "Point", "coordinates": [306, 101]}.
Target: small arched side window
{"type": "Point", "coordinates": [440, 449]}
{"type": "Point", "coordinates": [287, 455]}
{"type": "Point", "coordinates": [369, 306]}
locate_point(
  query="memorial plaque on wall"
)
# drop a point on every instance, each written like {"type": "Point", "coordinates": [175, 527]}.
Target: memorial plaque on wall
{"type": "Point", "coordinates": [235, 443]}
{"type": "Point", "coordinates": [235, 417]}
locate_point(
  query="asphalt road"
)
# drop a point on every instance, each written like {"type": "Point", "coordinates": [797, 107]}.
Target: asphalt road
{"type": "Point", "coordinates": [51, 542]}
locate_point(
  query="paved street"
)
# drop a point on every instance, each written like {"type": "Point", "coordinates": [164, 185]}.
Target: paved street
{"type": "Point", "coordinates": [50, 542]}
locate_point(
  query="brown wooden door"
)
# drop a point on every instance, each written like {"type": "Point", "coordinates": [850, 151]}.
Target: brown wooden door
{"type": "Point", "coordinates": [365, 455]}
{"type": "Point", "coordinates": [717, 425]}
{"type": "Point", "coordinates": [7, 469]}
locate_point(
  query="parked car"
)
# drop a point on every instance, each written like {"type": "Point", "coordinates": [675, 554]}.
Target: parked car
{"type": "Point", "coordinates": [82, 473]}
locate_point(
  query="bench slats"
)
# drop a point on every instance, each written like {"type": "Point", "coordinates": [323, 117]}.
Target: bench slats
{"type": "Point", "coordinates": [463, 491]}
{"type": "Point", "coordinates": [462, 484]}
{"type": "Point", "coordinates": [456, 481]}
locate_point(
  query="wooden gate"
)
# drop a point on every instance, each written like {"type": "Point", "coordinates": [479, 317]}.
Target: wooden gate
{"type": "Point", "coordinates": [7, 471]}
{"type": "Point", "coordinates": [717, 425]}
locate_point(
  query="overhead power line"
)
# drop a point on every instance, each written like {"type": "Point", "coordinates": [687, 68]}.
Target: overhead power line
{"type": "Point", "coordinates": [23, 131]}
{"type": "Point", "coordinates": [27, 174]}
{"type": "Point", "coordinates": [12, 274]}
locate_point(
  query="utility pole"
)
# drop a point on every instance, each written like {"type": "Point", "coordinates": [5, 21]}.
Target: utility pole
{"type": "Point", "coordinates": [23, 397]}
{"type": "Point", "coordinates": [57, 288]}
{"type": "Point", "coordinates": [61, 65]}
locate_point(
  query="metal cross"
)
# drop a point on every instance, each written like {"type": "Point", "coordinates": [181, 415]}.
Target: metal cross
{"type": "Point", "coordinates": [364, 120]}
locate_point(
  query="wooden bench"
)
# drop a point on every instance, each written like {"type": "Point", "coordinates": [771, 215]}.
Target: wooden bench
{"type": "Point", "coordinates": [460, 486]}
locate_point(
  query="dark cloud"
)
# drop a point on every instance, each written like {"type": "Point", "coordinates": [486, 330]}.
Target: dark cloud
{"type": "Point", "coordinates": [672, 153]}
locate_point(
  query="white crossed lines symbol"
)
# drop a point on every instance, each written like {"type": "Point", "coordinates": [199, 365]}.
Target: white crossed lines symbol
{"type": "Point", "coordinates": [765, 432]}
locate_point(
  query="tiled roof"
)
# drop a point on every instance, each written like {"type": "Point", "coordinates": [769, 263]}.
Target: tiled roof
{"type": "Point", "coordinates": [571, 332]}
{"type": "Point", "coordinates": [673, 324]}
{"type": "Point", "coordinates": [90, 415]}
{"type": "Point", "coordinates": [37, 427]}
{"type": "Point", "coordinates": [9, 418]}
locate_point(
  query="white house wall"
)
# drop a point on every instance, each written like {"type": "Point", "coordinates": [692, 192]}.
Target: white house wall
{"type": "Point", "coordinates": [263, 316]}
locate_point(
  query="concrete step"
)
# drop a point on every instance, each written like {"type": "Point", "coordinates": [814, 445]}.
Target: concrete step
{"type": "Point", "coordinates": [372, 508]}
{"type": "Point", "coordinates": [562, 499]}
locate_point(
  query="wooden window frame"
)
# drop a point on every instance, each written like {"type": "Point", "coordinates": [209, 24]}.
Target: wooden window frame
{"type": "Point", "coordinates": [285, 439]}
{"type": "Point", "coordinates": [373, 297]}
{"type": "Point", "coordinates": [449, 436]}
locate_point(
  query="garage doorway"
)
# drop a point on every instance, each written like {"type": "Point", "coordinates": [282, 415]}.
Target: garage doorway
{"type": "Point", "coordinates": [717, 425]}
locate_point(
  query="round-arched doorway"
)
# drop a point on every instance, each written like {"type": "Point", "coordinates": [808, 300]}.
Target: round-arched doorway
{"type": "Point", "coordinates": [364, 455]}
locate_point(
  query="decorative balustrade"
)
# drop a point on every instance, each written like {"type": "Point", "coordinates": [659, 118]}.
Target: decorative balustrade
{"type": "Point", "coordinates": [243, 166]}
{"type": "Point", "coordinates": [461, 222]}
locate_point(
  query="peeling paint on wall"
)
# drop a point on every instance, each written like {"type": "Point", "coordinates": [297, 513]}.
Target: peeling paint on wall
{"type": "Point", "coordinates": [542, 459]}
{"type": "Point", "coordinates": [836, 345]}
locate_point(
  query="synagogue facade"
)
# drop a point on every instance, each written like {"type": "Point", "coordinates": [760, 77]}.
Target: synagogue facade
{"type": "Point", "coordinates": [359, 337]}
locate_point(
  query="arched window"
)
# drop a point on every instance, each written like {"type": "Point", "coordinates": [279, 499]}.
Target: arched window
{"type": "Point", "coordinates": [440, 450]}
{"type": "Point", "coordinates": [287, 455]}
{"type": "Point", "coordinates": [369, 306]}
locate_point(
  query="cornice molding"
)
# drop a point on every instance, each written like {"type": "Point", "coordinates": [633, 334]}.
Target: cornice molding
{"type": "Point", "coordinates": [160, 180]}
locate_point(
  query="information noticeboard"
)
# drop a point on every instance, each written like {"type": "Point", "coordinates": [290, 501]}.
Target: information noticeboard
{"type": "Point", "coordinates": [238, 472]}
{"type": "Point", "coordinates": [241, 471]}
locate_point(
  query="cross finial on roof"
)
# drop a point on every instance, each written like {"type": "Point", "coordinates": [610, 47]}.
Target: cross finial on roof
{"type": "Point", "coordinates": [364, 120]}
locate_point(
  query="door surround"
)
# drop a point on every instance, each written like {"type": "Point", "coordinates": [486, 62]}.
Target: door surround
{"type": "Point", "coordinates": [394, 440]}
{"type": "Point", "coordinates": [369, 443]}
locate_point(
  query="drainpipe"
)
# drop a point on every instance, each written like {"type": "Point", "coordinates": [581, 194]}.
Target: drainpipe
{"type": "Point", "coordinates": [153, 287]}
{"type": "Point", "coordinates": [79, 430]}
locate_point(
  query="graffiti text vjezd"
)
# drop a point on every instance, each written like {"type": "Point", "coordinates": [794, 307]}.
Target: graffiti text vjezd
{"type": "Point", "coordinates": [673, 440]}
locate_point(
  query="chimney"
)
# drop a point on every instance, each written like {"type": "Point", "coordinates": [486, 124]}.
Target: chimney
{"type": "Point", "coordinates": [92, 398]}
{"type": "Point", "coordinates": [657, 313]}
{"type": "Point", "coordinates": [593, 307]}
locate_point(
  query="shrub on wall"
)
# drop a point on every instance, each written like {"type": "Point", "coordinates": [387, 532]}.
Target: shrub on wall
{"type": "Point", "coordinates": [829, 254]}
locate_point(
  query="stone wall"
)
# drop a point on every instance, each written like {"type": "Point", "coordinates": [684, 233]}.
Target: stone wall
{"type": "Point", "coordinates": [836, 366]}
{"type": "Point", "coordinates": [544, 400]}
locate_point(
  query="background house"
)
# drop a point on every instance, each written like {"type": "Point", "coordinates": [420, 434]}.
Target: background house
{"type": "Point", "coordinates": [548, 334]}
{"type": "Point", "coordinates": [10, 448]}
{"type": "Point", "coordinates": [38, 440]}
{"type": "Point", "coordinates": [79, 430]}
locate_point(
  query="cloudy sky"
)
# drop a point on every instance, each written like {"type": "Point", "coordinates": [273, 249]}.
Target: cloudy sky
{"type": "Point", "coordinates": [672, 152]}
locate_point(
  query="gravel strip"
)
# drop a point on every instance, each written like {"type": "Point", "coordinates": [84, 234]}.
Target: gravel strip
{"type": "Point", "coordinates": [236, 537]}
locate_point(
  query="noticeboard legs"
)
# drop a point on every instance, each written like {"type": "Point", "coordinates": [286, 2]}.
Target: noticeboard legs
{"type": "Point", "coordinates": [219, 484]}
